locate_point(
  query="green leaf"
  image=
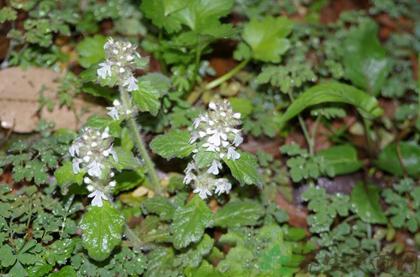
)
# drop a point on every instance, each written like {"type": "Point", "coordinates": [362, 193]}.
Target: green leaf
{"type": "Point", "coordinates": [67, 271]}
{"type": "Point", "coordinates": [7, 14]}
{"type": "Point", "coordinates": [241, 105]}
{"type": "Point", "coordinates": [245, 169]}
{"type": "Point", "coordinates": [128, 179]}
{"type": "Point", "coordinates": [365, 200]}
{"type": "Point", "coordinates": [173, 144]}
{"type": "Point", "coordinates": [365, 61]}
{"type": "Point", "coordinates": [91, 50]}
{"type": "Point", "coordinates": [205, 270]}
{"type": "Point", "coordinates": [341, 159]}
{"type": "Point", "coordinates": [333, 92]}
{"type": "Point", "coordinates": [101, 230]}
{"type": "Point", "coordinates": [267, 37]}
{"type": "Point", "coordinates": [60, 250]}
{"type": "Point", "coordinates": [126, 159]}
{"type": "Point", "coordinates": [7, 256]}
{"type": "Point", "coordinates": [239, 213]}
{"type": "Point", "coordinates": [151, 87]}
{"type": "Point", "coordinates": [161, 206]}
{"type": "Point", "coordinates": [190, 221]}
{"type": "Point", "coordinates": [389, 159]}
{"type": "Point", "coordinates": [65, 175]}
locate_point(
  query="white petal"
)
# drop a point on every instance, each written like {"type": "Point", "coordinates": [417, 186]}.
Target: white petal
{"type": "Point", "coordinates": [113, 113]}
{"type": "Point", "coordinates": [212, 106]}
{"type": "Point", "coordinates": [76, 165]}
{"type": "Point", "coordinates": [97, 198]}
{"type": "Point", "coordinates": [131, 83]}
{"type": "Point", "coordinates": [202, 192]}
{"type": "Point", "coordinates": [214, 139]}
{"type": "Point", "coordinates": [95, 169]}
{"type": "Point", "coordinates": [238, 140]}
{"type": "Point", "coordinates": [222, 186]}
{"type": "Point", "coordinates": [214, 168]}
{"type": "Point", "coordinates": [232, 154]}
{"type": "Point", "coordinates": [104, 70]}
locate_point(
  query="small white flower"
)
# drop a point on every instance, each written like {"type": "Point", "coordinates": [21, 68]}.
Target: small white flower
{"type": "Point", "coordinates": [222, 186]}
{"type": "Point", "coordinates": [105, 133]}
{"type": "Point", "coordinates": [202, 192]}
{"type": "Point", "coordinates": [232, 154]}
{"type": "Point", "coordinates": [131, 83]}
{"type": "Point", "coordinates": [238, 140]}
{"type": "Point", "coordinates": [104, 70]}
{"type": "Point", "coordinates": [74, 149]}
{"type": "Point", "coordinates": [76, 165]}
{"type": "Point", "coordinates": [113, 113]}
{"type": "Point", "coordinates": [95, 169]}
{"type": "Point", "coordinates": [112, 184]}
{"type": "Point", "coordinates": [97, 196]}
{"type": "Point", "coordinates": [214, 168]}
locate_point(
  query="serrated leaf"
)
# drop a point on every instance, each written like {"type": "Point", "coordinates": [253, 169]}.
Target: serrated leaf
{"type": "Point", "coordinates": [91, 50]}
{"type": "Point", "coordinates": [66, 271]}
{"type": "Point", "coordinates": [365, 200]}
{"type": "Point", "coordinates": [190, 221]}
{"type": "Point", "coordinates": [173, 144]}
{"type": "Point", "coordinates": [267, 37]}
{"type": "Point", "coordinates": [161, 206]}
{"type": "Point", "coordinates": [102, 228]}
{"type": "Point", "coordinates": [340, 159]}
{"type": "Point", "coordinates": [365, 61]}
{"type": "Point", "coordinates": [333, 92]}
{"type": "Point", "coordinates": [239, 213]}
{"type": "Point", "coordinates": [389, 159]}
{"type": "Point", "coordinates": [245, 169]}
{"type": "Point", "coordinates": [65, 175]}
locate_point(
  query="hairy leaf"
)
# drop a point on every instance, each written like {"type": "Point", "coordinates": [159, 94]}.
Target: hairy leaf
{"type": "Point", "coordinates": [239, 213]}
{"type": "Point", "coordinates": [101, 230]}
{"type": "Point", "coordinates": [173, 144]}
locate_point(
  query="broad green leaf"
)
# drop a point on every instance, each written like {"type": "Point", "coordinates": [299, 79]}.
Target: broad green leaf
{"type": "Point", "coordinates": [365, 61]}
{"type": "Point", "coordinates": [59, 251]}
{"type": "Point", "coordinates": [341, 159]}
{"type": "Point", "coordinates": [205, 158]}
{"type": "Point", "coordinates": [66, 176]}
{"type": "Point", "coordinates": [6, 14]}
{"type": "Point", "coordinates": [190, 221]}
{"type": "Point", "coordinates": [245, 169]}
{"type": "Point", "coordinates": [365, 200]}
{"type": "Point", "coordinates": [126, 159]}
{"type": "Point", "coordinates": [333, 92]}
{"type": "Point", "coordinates": [173, 144]}
{"type": "Point", "coordinates": [101, 122]}
{"type": "Point", "coordinates": [128, 179]}
{"type": "Point", "coordinates": [241, 105]}
{"type": "Point", "coordinates": [151, 87]}
{"type": "Point", "coordinates": [159, 11]}
{"type": "Point", "coordinates": [267, 37]}
{"type": "Point", "coordinates": [161, 206]}
{"type": "Point", "coordinates": [239, 213]}
{"type": "Point", "coordinates": [91, 50]}
{"type": "Point", "coordinates": [389, 159]}
{"type": "Point", "coordinates": [102, 228]}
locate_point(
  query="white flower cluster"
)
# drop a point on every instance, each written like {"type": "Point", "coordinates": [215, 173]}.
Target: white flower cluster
{"type": "Point", "coordinates": [215, 131]}
{"type": "Point", "coordinates": [91, 152]}
{"type": "Point", "coordinates": [205, 183]}
{"type": "Point", "coordinates": [121, 60]}
{"type": "Point", "coordinates": [218, 131]}
{"type": "Point", "coordinates": [117, 111]}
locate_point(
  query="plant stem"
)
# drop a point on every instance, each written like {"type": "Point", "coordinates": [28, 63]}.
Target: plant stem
{"type": "Point", "coordinates": [227, 76]}
{"type": "Point", "coordinates": [304, 129]}
{"type": "Point", "coordinates": [141, 147]}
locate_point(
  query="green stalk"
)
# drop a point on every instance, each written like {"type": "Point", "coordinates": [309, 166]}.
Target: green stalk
{"type": "Point", "coordinates": [227, 76]}
{"type": "Point", "coordinates": [141, 147]}
{"type": "Point", "coordinates": [302, 124]}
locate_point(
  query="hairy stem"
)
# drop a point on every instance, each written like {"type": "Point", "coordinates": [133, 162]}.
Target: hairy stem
{"type": "Point", "coordinates": [141, 147]}
{"type": "Point", "coordinates": [227, 76]}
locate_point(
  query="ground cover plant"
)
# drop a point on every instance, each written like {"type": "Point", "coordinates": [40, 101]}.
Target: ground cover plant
{"type": "Point", "coordinates": [216, 138]}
